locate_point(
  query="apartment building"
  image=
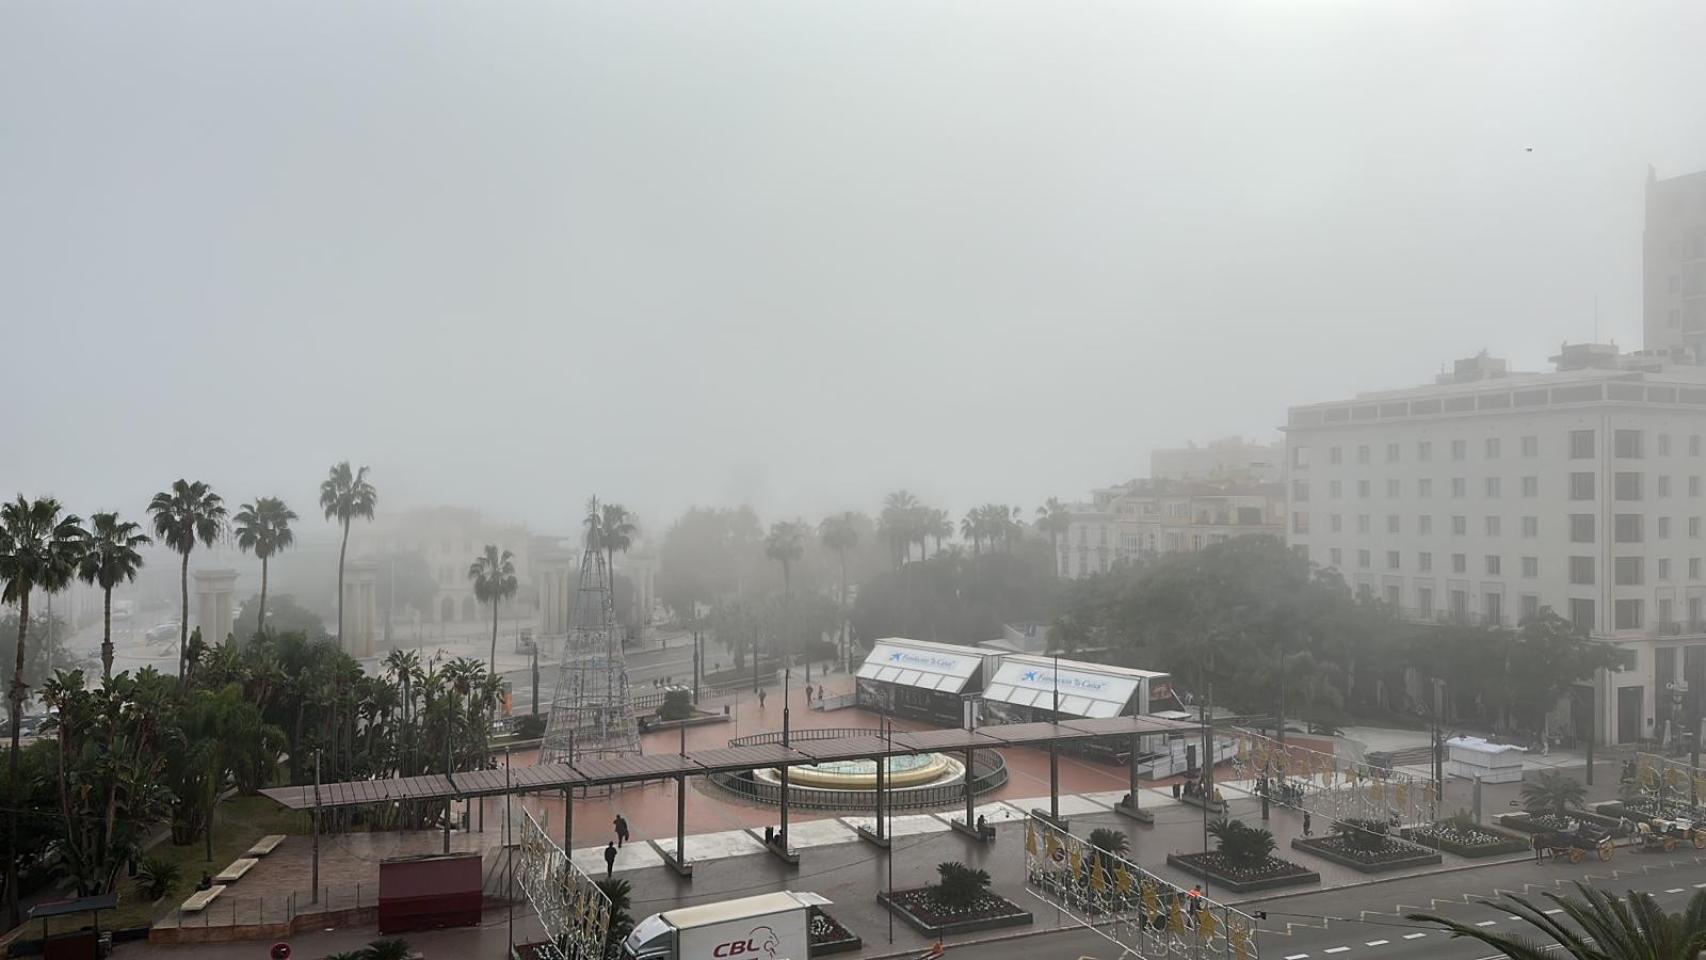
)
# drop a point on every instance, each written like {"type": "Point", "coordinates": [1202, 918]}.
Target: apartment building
{"type": "Point", "coordinates": [1151, 517]}
{"type": "Point", "coordinates": [1489, 496]}
{"type": "Point", "coordinates": [1673, 254]}
{"type": "Point", "coordinates": [1229, 460]}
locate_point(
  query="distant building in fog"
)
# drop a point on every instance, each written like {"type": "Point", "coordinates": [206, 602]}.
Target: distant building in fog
{"type": "Point", "coordinates": [1674, 258]}
{"type": "Point", "coordinates": [1231, 460]}
{"type": "Point", "coordinates": [1153, 517]}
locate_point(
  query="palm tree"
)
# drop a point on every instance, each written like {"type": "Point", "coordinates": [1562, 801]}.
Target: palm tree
{"type": "Point", "coordinates": [263, 527]}
{"type": "Point", "coordinates": [494, 580]}
{"type": "Point", "coordinates": [838, 533]}
{"type": "Point", "coordinates": [1054, 519]}
{"type": "Point", "coordinates": [971, 528]}
{"type": "Point", "coordinates": [1596, 925]}
{"type": "Point", "coordinates": [1552, 793]}
{"type": "Point", "coordinates": [785, 544]}
{"type": "Point", "coordinates": [345, 495]}
{"type": "Point", "coordinates": [39, 547]}
{"type": "Point", "coordinates": [111, 559]}
{"type": "Point", "coordinates": [182, 515]}
{"type": "Point", "coordinates": [616, 531]}
{"type": "Point", "coordinates": [938, 526]}
{"type": "Point", "coordinates": [899, 517]}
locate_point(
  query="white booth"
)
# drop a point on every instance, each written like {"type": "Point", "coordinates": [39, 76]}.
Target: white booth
{"type": "Point", "coordinates": [1471, 757]}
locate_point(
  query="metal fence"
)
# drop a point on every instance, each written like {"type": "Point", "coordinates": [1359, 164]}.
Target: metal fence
{"type": "Point", "coordinates": [231, 909]}
{"type": "Point", "coordinates": [989, 773]}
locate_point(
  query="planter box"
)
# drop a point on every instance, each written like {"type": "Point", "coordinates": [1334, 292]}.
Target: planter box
{"type": "Point", "coordinates": [1018, 918]}
{"type": "Point", "coordinates": [1417, 857]}
{"type": "Point", "coordinates": [1525, 823]}
{"type": "Point", "coordinates": [848, 940]}
{"type": "Point", "coordinates": [1508, 844]}
{"type": "Point", "coordinates": [1191, 864]}
{"type": "Point", "coordinates": [651, 722]}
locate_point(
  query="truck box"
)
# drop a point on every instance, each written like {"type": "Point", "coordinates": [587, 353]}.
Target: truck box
{"type": "Point", "coordinates": [770, 926]}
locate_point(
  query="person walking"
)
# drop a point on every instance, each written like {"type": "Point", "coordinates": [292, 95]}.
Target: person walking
{"type": "Point", "coordinates": [1194, 902]}
{"type": "Point", "coordinates": [820, 693]}
{"type": "Point", "coordinates": [760, 698]}
{"type": "Point", "coordinates": [808, 696]}
{"type": "Point", "coordinates": [1539, 844]}
{"type": "Point", "coordinates": [609, 859]}
{"type": "Point", "coordinates": [621, 825]}
{"type": "Point", "coordinates": [1307, 823]}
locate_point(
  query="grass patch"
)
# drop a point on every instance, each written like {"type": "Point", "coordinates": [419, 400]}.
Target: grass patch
{"type": "Point", "coordinates": [237, 823]}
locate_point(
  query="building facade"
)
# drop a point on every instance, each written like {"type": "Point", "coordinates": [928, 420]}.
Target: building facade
{"type": "Point", "coordinates": [1154, 517]}
{"type": "Point", "coordinates": [1489, 496]}
{"type": "Point", "coordinates": [1227, 461]}
{"type": "Point", "coordinates": [1674, 264]}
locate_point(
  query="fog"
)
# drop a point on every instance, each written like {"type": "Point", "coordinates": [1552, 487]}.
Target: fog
{"type": "Point", "coordinates": [795, 255]}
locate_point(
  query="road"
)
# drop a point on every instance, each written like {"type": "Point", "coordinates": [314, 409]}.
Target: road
{"type": "Point", "coordinates": [1368, 923]}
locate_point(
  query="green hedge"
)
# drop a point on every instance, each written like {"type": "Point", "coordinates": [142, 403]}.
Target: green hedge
{"type": "Point", "coordinates": [1508, 843]}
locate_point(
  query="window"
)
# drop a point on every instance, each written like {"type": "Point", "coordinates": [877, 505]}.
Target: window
{"type": "Point", "coordinates": [1628, 571]}
{"type": "Point", "coordinates": [1425, 601]}
{"type": "Point", "coordinates": [1530, 527]}
{"type": "Point", "coordinates": [1424, 450]}
{"type": "Point", "coordinates": [1581, 486]}
{"type": "Point", "coordinates": [1393, 596]}
{"type": "Point", "coordinates": [1425, 523]}
{"type": "Point", "coordinates": [1664, 528]}
{"type": "Point", "coordinates": [1627, 486]}
{"type": "Point", "coordinates": [1459, 487]}
{"type": "Point", "coordinates": [1581, 571]}
{"type": "Point", "coordinates": [1459, 526]}
{"type": "Point", "coordinates": [1664, 485]}
{"type": "Point", "coordinates": [1335, 557]}
{"type": "Point", "coordinates": [1493, 487]}
{"type": "Point", "coordinates": [1392, 453]}
{"type": "Point", "coordinates": [1391, 559]}
{"type": "Point", "coordinates": [1362, 489]}
{"type": "Point", "coordinates": [1694, 446]}
{"type": "Point", "coordinates": [1694, 528]}
{"type": "Point", "coordinates": [1492, 564]}
{"type": "Point", "coordinates": [1627, 528]}
{"type": "Point", "coordinates": [1581, 614]}
{"type": "Point", "coordinates": [1362, 523]}
{"type": "Point", "coordinates": [1300, 491]}
{"type": "Point", "coordinates": [1664, 444]}
{"type": "Point", "coordinates": [1362, 559]}
{"type": "Point", "coordinates": [1424, 488]}
{"type": "Point", "coordinates": [1693, 568]}
{"type": "Point", "coordinates": [1335, 455]}
{"type": "Point", "coordinates": [1300, 457]}
{"type": "Point", "coordinates": [1459, 604]}
{"type": "Point", "coordinates": [1663, 573]}
{"type": "Point", "coordinates": [1362, 453]}
{"type": "Point", "coordinates": [1530, 606]}
{"type": "Point", "coordinates": [1530, 567]}
{"type": "Point", "coordinates": [1581, 528]}
{"type": "Point", "coordinates": [1694, 486]}
{"type": "Point", "coordinates": [1530, 447]}
{"type": "Point", "coordinates": [1300, 523]}
{"type": "Point", "coordinates": [1581, 444]}
{"type": "Point", "coordinates": [1392, 523]}
{"type": "Point", "coordinates": [1493, 607]}
{"type": "Point", "coordinates": [1335, 522]}
{"type": "Point", "coordinates": [1664, 612]}
{"type": "Point", "coordinates": [1424, 561]}
{"type": "Point", "coordinates": [1531, 486]}
{"type": "Point", "coordinates": [1492, 527]}
{"type": "Point", "coordinates": [1459, 450]}
{"type": "Point", "coordinates": [1459, 563]}
{"type": "Point", "coordinates": [1334, 489]}
{"type": "Point", "coordinates": [1626, 444]}
{"type": "Point", "coordinates": [1492, 448]}
{"type": "Point", "coordinates": [1394, 488]}
{"type": "Point", "coordinates": [1628, 614]}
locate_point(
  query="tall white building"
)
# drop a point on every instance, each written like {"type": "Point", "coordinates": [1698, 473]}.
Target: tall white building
{"type": "Point", "coordinates": [1151, 517]}
{"type": "Point", "coordinates": [1491, 495]}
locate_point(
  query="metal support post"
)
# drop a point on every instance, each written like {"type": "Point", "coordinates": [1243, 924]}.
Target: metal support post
{"type": "Point", "coordinates": [314, 887]}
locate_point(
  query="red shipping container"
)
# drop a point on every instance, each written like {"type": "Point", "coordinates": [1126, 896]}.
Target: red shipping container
{"type": "Point", "coordinates": [429, 892]}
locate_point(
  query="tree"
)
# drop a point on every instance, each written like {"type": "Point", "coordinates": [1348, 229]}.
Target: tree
{"type": "Point", "coordinates": [616, 532]}
{"type": "Point", "coordinates": [1055, 519]}
{"type": "Point", "coordinates": [1593, 926]}
{"type": "Point", "coordinates": [1242, 845]}
{"type": "Point", "coordinates": [897, 524]}
{"type": "Point", "coordinates": [959, 886]}
{"type": "Point", "coordinates": [839, 533]}
{"type": "Point", "coordinates": [344, 496]}
{"type": "Point", "coordinates": [621, 896]}
{"type": "Point", "coordinates": [263, 528]}
{"type": "Point", "coordinates": [1552, 793]}
{"type": "Point", "coordinates": [183, 515]}
{"type": "Point", "coordinates": [785, 544]}
{"type": "Point", "coordinates": [286, 616]}
{"type": "Point", "coordinates": [1066, 634]}
{"type": "Point", "coordinates": [493, 576]}
{"type": "Point", "coordinates": [938, 527]}
{"type": "Point", "coordinates": [40, 546]}
{"type": "Point", "coordinates": [111, 559]}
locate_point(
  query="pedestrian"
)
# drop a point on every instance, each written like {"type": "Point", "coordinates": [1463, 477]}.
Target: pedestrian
{"type": "Point", "coordinates": [1175, 789]}
{"type": "Point", "coordinates": [609, 859]}
{"type": "Point", "coordinates": [1539, 844]}
{"type": "Point", "coordinates": [1194, 900]}
{"type": "Point", "coordinates": [820, 693]}
{"type": "Point", "coordinates": [621, 825]}
{"type": "Point", "coordinates": [761, 698]}
{"type": "Point", "coordinates": [1308, 823]}
{"type": "Point", "coordinates": [808, 695]}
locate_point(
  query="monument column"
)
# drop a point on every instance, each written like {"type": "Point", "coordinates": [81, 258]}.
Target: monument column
{"type": "Point", "coordinates": [215, 614]}
{"type": "Point", "coordinates": [361, 578]}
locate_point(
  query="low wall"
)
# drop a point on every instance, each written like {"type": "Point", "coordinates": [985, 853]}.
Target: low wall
{"type": "Point", "coordinates": [228, 933]}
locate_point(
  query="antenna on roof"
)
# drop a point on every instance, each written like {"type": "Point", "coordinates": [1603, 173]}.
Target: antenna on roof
{"type": "Point", "coordinates": [1596, 318]}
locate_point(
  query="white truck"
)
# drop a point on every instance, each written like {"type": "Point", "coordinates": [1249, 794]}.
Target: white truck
{"type": "Point", "coordinates": [770, 926]}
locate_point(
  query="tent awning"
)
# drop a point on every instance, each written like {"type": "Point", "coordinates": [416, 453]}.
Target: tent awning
{"type": "Point", "coordinates": [1083, 692]}
{"type": "Point", "coordinates": [908, 666]}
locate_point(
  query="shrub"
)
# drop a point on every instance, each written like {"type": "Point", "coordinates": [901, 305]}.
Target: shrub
{"type": "Point", "coordinates": [960, 886]}
{"type": "Point", "coordinates": [1552, 793]}
{"type": "Point", "coordinates": [157, 877]}
{"type": "Point", "coordinates": [530, 726]}
{"type": "Point", "coordinates": [1109, 841]}
{"type": "Point", "coordinates": [1240, 844]}
{"type": "Point", "coordinates": [395, 948]}
{"type": "Point", "coordinates": [677, 704]}
{"type": "Point", "coordinates": [1368, 836]}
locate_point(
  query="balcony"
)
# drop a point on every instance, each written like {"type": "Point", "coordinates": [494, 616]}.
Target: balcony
{"type": "Point", "coordinates": [1456, 618]}
{"type": "Point", "coordinates": [1674, 629]}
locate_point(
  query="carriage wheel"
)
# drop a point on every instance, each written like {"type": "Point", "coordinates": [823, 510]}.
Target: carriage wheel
{"type": "Point", "coordinates": [1577, 854]}
{"type": "Point", "coordinates": [1700, 839]}
{"type": "Point", "coordinates": [1605, 851]}
{"type": "Point", "coordinates": [1670, 844]}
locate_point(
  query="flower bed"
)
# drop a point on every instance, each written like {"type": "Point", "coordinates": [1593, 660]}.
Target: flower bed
{"type": "Point", "coordinates": [1550, 823]}
{"type": "Point", "coordinates": [1390, 854]}
{"type": "Point", "coordinates": [1265, 875]}
{"type": "Point", "coordinates": [1466, 840]}
{"type": "Point", "coordinates": [920, 910]}
{"type": "Point", "coordinates": [829, 936]}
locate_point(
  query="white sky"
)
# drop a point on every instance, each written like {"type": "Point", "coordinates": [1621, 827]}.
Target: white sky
{"type": "Point", "coordinates": [511, 254]}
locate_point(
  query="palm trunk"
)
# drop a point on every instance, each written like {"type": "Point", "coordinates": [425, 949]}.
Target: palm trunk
{"type": "Point", "coordinates": [261, 615]}
{"type": "Point", "coordinates": [12, 916]}
{"type": "Point", "coordinates": [184, 624]}
{"type": "Point", "coordinates": [341, 548]}
{"type": "Point", "coordinates": [492, 666]}
{"type": "Point", "coordinates": [844, 651]}
{"type": "Point", "coordinates": [107, 636]}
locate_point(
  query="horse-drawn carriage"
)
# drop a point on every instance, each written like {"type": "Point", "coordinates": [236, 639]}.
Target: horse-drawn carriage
{"type": "Point", "coordinates": [1668, 835]}
{"type": "Point", "coordinates": [1577, 844]}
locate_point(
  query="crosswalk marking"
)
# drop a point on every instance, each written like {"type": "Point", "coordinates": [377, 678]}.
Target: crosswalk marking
{"type": "Point", "coordinates": [1700, 886]}
{"type": "Point", "coordinates": [1414, 936]}
{"type": "Point", "coordinates": [1335, 950]}
{"type": "Point", "coordinates": [1486, 923]}
{"type": "Point", "coordinates": [1377, 943]}
{"type": "Point", "coordinates": [1674, 890]}
{"type": "Point", "coordinates": [1298, 956]}
{"type": "Point", "coordinates": [1553, 911]}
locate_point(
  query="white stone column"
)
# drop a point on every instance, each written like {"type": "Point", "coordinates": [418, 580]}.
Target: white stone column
{"type": "Point", "coordinates": [215, 613]}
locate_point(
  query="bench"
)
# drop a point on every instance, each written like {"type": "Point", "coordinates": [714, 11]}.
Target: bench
{"type": "Point", "coordinates": [265, 845]}
{"type": "Point", "coordinates": [235, 871]}
{"type": "Point", "coordinates": [199, 900]}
